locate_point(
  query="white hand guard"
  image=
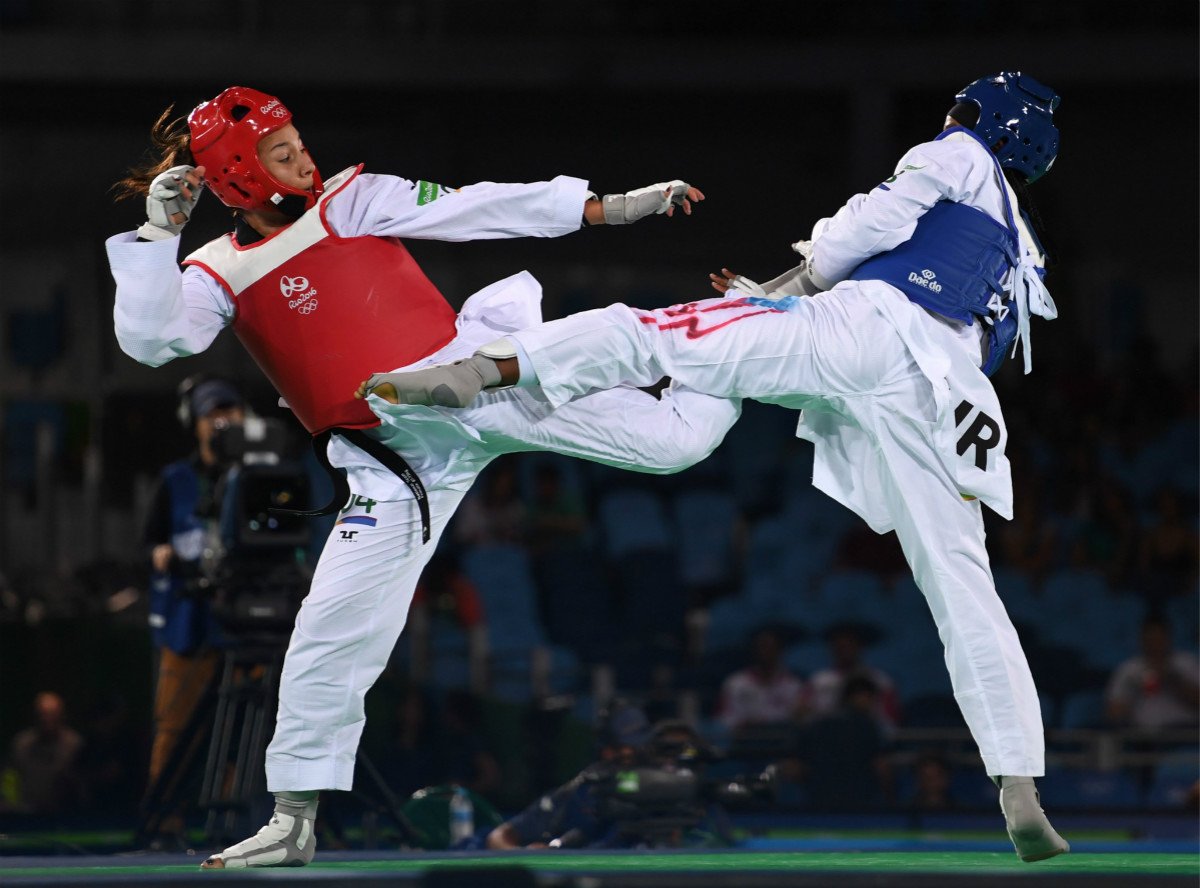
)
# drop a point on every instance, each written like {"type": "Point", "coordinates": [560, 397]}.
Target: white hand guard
{"type": "Point", "coordinates": [164, 200]}
{"type": "Point", "coordinates": [795, 282]}
{"type": "Point", "coordinates": [743, 284]}
{"type": "Point", "coordinates": [621, 209]}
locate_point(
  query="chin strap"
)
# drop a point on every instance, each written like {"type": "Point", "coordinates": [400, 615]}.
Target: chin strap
{"type": "Point", "coordinates": [341, 487]}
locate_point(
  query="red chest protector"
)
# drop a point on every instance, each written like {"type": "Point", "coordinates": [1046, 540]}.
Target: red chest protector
{"type": "Point", "coordinates": [320, 313]}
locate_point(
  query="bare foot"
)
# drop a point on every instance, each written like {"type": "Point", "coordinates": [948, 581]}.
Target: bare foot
{"type": "Point", "coordinates": [385, 390]}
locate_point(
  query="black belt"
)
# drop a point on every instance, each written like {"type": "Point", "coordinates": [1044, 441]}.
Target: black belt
{"type": "Point", "coordinates": [341, 487]}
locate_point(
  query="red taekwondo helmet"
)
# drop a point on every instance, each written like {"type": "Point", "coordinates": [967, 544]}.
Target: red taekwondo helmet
{"type": "Point", "coordinates": [225, 133]}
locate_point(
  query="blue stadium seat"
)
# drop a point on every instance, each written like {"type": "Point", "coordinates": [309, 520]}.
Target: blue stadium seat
{"type": "Point", "coordinates": [755, 450]}
{"type": "Point", "coordinates": [1018, 594]}
{"type": "Point", "coordinates": [653, 600]}
{"type": "Point", "coordinates": [632, 519]}
{"type": "Point", "coordinates": [971, 788]}
{"type": "Point", "coordinates": [731, 621]}
{"type": "Point", "coordinates": [504, 578]}
{"type": "Point", "coordinates": [1172, 784]}
{"type": "Point", "coordinates": [1069, 598]}
{"type": "Point", "coordinates": [1087, 789]}
{"type": "Point", "coordinates": [577, 602]}
{"type": "Point", "coordinates": [1168, 461]}
{"type": "Point", "coordinates": [855, 595]}
{"type": "Point", "coordinates": [1185, 628]}
{"type": "Point", "coordinates": [1082, 710]}
{"type": "Point", "coordinates": [706, 524]}
{"type": "Point", "coordinates": [912, 654]}
{"type": "Point", "coordinates": [807, 657]}
{"type": "Point", "coordinates": [1111, 626]}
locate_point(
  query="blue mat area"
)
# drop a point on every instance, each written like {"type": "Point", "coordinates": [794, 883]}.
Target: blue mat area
{"type": "Point", "coordinates": [1150, 846]}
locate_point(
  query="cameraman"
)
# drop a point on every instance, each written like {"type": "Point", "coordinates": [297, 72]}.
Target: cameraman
{"type": "Point", "coordinates": [572, 810]}
{"type": "Point", "coordinates": [589, 812]}
{"type": "Point", "coordinates": [177, 527]}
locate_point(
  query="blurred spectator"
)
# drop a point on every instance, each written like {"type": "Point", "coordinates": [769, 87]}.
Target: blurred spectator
{"type": "Point", "coordinates": [825, 690]}
{"type": "Point", "coordinates": [446, 597]}
{"type": "Point", "coordinates": [493, 513]}
{"type": "Point", "coordinates": [1168, 554]}
{"type": "Point", "coordinates": [844, 753]}
{"type": "Point", "coordinates": [931, 784]}
{"type": "Point", "coordinates": [764, 691]}
{"type": "Point", "coordinates": [569, 816]}
{"type": "Point", "coordinates": [45, 760]}
{"type": "Point", "coordinates": [557, 519]}
{"type": "Point", "coordinates": [1159, 688]}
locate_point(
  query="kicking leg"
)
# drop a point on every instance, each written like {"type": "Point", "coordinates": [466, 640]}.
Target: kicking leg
{"type": "Point", "coordinates": [731, 348]}
{"type": "Point", "coordinates": [622, 427]}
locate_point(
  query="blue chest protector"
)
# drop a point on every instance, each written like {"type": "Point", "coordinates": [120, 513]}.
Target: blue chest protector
{"type": "Point", "coordinates": [953, 265]}
{"type": "Point", "coordinates": [179, 621]}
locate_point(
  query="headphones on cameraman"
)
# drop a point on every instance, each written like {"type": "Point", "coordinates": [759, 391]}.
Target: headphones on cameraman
{"type": "Point", "coordinates": [186, 391]}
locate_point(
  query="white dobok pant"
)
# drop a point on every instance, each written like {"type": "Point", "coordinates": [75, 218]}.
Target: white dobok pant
{"type": "Point", "coordinates": [847, 358]}
{"type": "Point", "coordinates": [364, 582]}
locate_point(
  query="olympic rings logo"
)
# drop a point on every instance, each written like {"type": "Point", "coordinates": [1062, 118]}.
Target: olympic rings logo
{"type": "Point", "coordinates": [308, 307]}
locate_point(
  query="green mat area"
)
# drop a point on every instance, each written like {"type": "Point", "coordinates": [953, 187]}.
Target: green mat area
{"type": "Point", "coordinates": [973, 862]}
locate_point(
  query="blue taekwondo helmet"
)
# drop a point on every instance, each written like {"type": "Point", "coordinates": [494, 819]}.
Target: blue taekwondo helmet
{"type": "Point", "coordinates": [1017, 109]}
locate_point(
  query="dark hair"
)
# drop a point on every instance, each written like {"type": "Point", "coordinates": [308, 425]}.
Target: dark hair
{"type": "Point", "coordinates": [171, 147]}
{"type": "Point", "coordinates": [1020, 188]}
{"type": "Point", "coordinates": [858, 683]}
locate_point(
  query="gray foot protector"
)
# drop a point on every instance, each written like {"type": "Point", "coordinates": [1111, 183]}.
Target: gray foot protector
{"type": "Point", "coordinates": [276, 844]}
{"type": "Point", "coordinates": [446, 385]}
{"type": "Point", "coordinates": [1030, 831]}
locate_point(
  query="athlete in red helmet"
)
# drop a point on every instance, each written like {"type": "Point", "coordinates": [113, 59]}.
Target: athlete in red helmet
{"type": "Point", "coordinates": [317, 284]}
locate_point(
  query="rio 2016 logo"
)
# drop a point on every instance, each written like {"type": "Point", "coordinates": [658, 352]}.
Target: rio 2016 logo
{"type": "Point", "coordinates": [274, 108]}
{"type": "Point", "coordinates": [298, 293]}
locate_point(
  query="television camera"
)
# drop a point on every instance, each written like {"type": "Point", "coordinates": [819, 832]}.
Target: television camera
{"type": "Point", "coordinates": [254, 566]}
{"type": "Point", "coordinates": [674, 792]}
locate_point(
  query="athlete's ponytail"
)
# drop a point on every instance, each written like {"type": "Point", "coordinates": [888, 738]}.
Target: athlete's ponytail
{"type": "Point", "coordinates": [171, 147]}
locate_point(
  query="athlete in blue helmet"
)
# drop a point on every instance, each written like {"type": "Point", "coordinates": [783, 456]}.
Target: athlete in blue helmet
{"type": "Point", "coordinates": [906, 300]}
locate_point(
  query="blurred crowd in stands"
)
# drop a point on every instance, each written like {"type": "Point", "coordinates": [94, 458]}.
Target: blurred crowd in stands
{"type": "Point", "coordinates": [739, 599]}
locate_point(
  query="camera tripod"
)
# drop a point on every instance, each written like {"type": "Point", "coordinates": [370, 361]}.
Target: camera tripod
{"type": "Point", "coordinates": [233, 789]}
{"type": "Point", "coordinates": [241, 706]}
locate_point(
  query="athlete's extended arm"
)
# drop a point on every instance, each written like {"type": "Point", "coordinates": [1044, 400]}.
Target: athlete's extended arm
{"type": "Point", "coordinates": [390, 206]}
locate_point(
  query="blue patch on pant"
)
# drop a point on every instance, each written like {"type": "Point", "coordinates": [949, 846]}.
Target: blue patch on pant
{"type": "Point", "coordinates": [358, 519]}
